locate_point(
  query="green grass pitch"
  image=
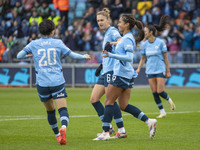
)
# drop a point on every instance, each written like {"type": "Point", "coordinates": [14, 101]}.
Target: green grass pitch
{"type": "Point", "coordinates": [23, 123]}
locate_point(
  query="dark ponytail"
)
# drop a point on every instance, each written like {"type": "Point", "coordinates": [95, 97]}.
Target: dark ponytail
{"type": "Point", "coordinates": [163, 22]}
{"type": "Point", "coordinates": [132, 22]}
{"type": "Point", "coordinates": [156, 29]}
{"type": "Point", "coordinates": [140, 36]}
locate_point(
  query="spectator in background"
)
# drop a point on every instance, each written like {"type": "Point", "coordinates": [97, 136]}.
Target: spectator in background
{"type": "Point", "coordinates": [44, 10]}
{"type": "Point", "coordinates": [135, 13]}
{"type": "Point", "coordinates": [63, 7]}
{"type": "Point", "coordinates": [33, 28]}
{"type": "Point", "coordinates": [188, 6]}
{"type": "Point", "coordinates": [88, 26]}
{"type": "Point", "coordinates": [28, 5]}
{"type": "Point", "coordinates": [116, 9]}
{"type": "Point", "coordinates": [54, 18]}
{"type": "Point", "coordinates": [167, 7]}
{"type": "Point", "coordinates": [128, 7]}
{"type": "Point", "coordinates": [79, 35]}
{"type": "Point", "coordinates": [98, 39]}
{"type": "Point", "coordinates": [32, 37]}
{"type": "Point", "coordinates": [134, 4]}
{"type": "Point", "coordinates": [57, 34]}
{"type": "Point", "coordinates": [87, 39]}
{"type": "Point", "coordinates": [186, 36]}
{"type": "Point", "coordinates": [61, 27]}
{"type": "Point", "coordinates": [197, 22]}
{"type": "Point", "coordinates": [156, 14]}
{"type": "Point", "coordinates": [197, 39]}
{"type": "Point", "coordinates": [147, 17]}
{"type": "Point", "coordinates": [16, 17]}
{"type": "Point", "coordinates": [25, 28]}
{"type": "Point", "coordinates": [174, 48]}
{"type": "Point", "coordinates": [104, 4]}
{"type": "Point", "coordinates": [19, 8]}
{"type": "Point", "coordinates": [35, 18]}
{"type": "Point", "coordinates": [2, 47]}
{"type": "Point", "coordinates": [70, 39]}
{"type": "Point", "coordinates": [90, 16]}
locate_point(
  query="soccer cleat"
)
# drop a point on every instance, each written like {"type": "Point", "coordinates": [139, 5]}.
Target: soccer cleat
{"type": "Point", "coordinates": [63, 140]}
{"type": "Point", "coordinates": [152, 127]}
{"type": "Point", "coordinates": [103, 136]}
{"type": "Point", "coordinates": [120, 135]}
{"type": "Point", "coordinates": [111, 131]}
{"type": "Point", "coordinates": [58, 138]}
{"type": "Point", "coordinates": [162, 115]}
{"type": "Point", "coordinates": [171, 104]}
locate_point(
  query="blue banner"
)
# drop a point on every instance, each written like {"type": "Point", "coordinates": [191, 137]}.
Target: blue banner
{"type": "Point", "coordinates": [189, 77]}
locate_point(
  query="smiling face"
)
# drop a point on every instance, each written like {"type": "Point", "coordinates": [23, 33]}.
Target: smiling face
{"type": "Point", "coordinates": [103, 22]}
{"type": "Point", "coordinates": [121, 25]}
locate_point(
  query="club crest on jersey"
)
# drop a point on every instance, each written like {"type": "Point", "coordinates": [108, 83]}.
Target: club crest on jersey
{"type": "Point", "coordinates": [156, 47]}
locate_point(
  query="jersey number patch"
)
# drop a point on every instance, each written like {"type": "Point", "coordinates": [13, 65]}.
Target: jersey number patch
{"type": "Point", "coordinates": [50, 60]}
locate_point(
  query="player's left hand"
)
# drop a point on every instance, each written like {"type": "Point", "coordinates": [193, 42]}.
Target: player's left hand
{"type": "Point", "coordinates": [168, 74]}
{"type": "Point", "coordinates": [29, 55]}
{"type": "Point", "coordinates": [105, 53]}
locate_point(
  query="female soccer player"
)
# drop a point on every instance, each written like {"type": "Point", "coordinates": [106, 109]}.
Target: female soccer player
{"type": "Point", "coordinates": [50, 81]}
{"type": "Point", "coordinates": [100, 88]}
{"type": "Point", "coordinates": [157, 65]}
{"type": "Point", "coordinates": [122, 80]}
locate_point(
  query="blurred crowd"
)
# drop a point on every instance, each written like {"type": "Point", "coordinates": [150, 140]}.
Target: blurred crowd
{"type": "Point", "coordinates": [76, 24]}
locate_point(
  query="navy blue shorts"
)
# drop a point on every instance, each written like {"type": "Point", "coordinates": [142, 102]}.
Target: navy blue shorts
{"type": "Point", "coordinates": [101, 80]}
{"type": "Point", "coordinates": [159, 75]}
{"type": "Point", "coordinates": [55, 92]}
{"type": "Point", "coordinates": [105, 79]}
{"type": "Point", "coordinates": [122, 82]}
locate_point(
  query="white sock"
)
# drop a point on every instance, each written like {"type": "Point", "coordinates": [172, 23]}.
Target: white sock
{"type": "Point", "coordinates": [63, 126]}
{"type": "Point", "coordinates": [110, 126]}
{"type": "Point", "coordinates": [162, 111]}
{"type": "Point", "coordinates": [169, 100]}
{"type": "Point", "coordinates": [121, 130]}
{"type": "Point", "coordinates": [57, 134]}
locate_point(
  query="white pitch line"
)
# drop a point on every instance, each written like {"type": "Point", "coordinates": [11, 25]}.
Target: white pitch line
{"type": "Point", "coordinates": [35, 117]}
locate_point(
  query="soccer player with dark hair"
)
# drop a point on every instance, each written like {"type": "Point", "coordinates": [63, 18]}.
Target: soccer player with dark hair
{"type": "Point", "coordinates": [50, 82]}
{"type": "Point", "coordinates": [123, 77]}
{"type": "Point", "coordinates": [154, 50]}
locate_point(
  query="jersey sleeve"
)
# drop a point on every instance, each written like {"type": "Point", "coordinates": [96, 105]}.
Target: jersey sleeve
{"type": "Point", "coordinates": [115, 35]}
{"type": "Point", "coordinates": [163, 47]}
{"type": "Point", "coordinates": [65, 51]}
{"type": "Point", "coordinates": [142, 48]}
{"type": "Point", "coordinates": [128, 45]}
{"type": "Point", "coordinates": [28, 48]}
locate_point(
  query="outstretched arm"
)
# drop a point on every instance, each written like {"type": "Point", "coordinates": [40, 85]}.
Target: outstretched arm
{"type": "Point", "coordinates": [78, 56]}
{"type": "Point", "coordinates": [128, 57]}
{"type": "Point", "coordinates": [22, 55]}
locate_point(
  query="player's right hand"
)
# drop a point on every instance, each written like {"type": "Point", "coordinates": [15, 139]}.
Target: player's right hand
{"type": "Point", "coordinates": [138, 71]}
{"type": "Point", "coordinates": [87, 56]}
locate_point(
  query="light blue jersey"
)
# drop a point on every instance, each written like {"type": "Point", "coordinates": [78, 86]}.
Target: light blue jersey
{"type": "Point", "coordinates": [155, 61]}
{"type": "Point", "coordinates": [125, 68]}
{"type": "Point", "coordinates": [46, 54]}
{"type": "Point", "coordinates": [111, 35]}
